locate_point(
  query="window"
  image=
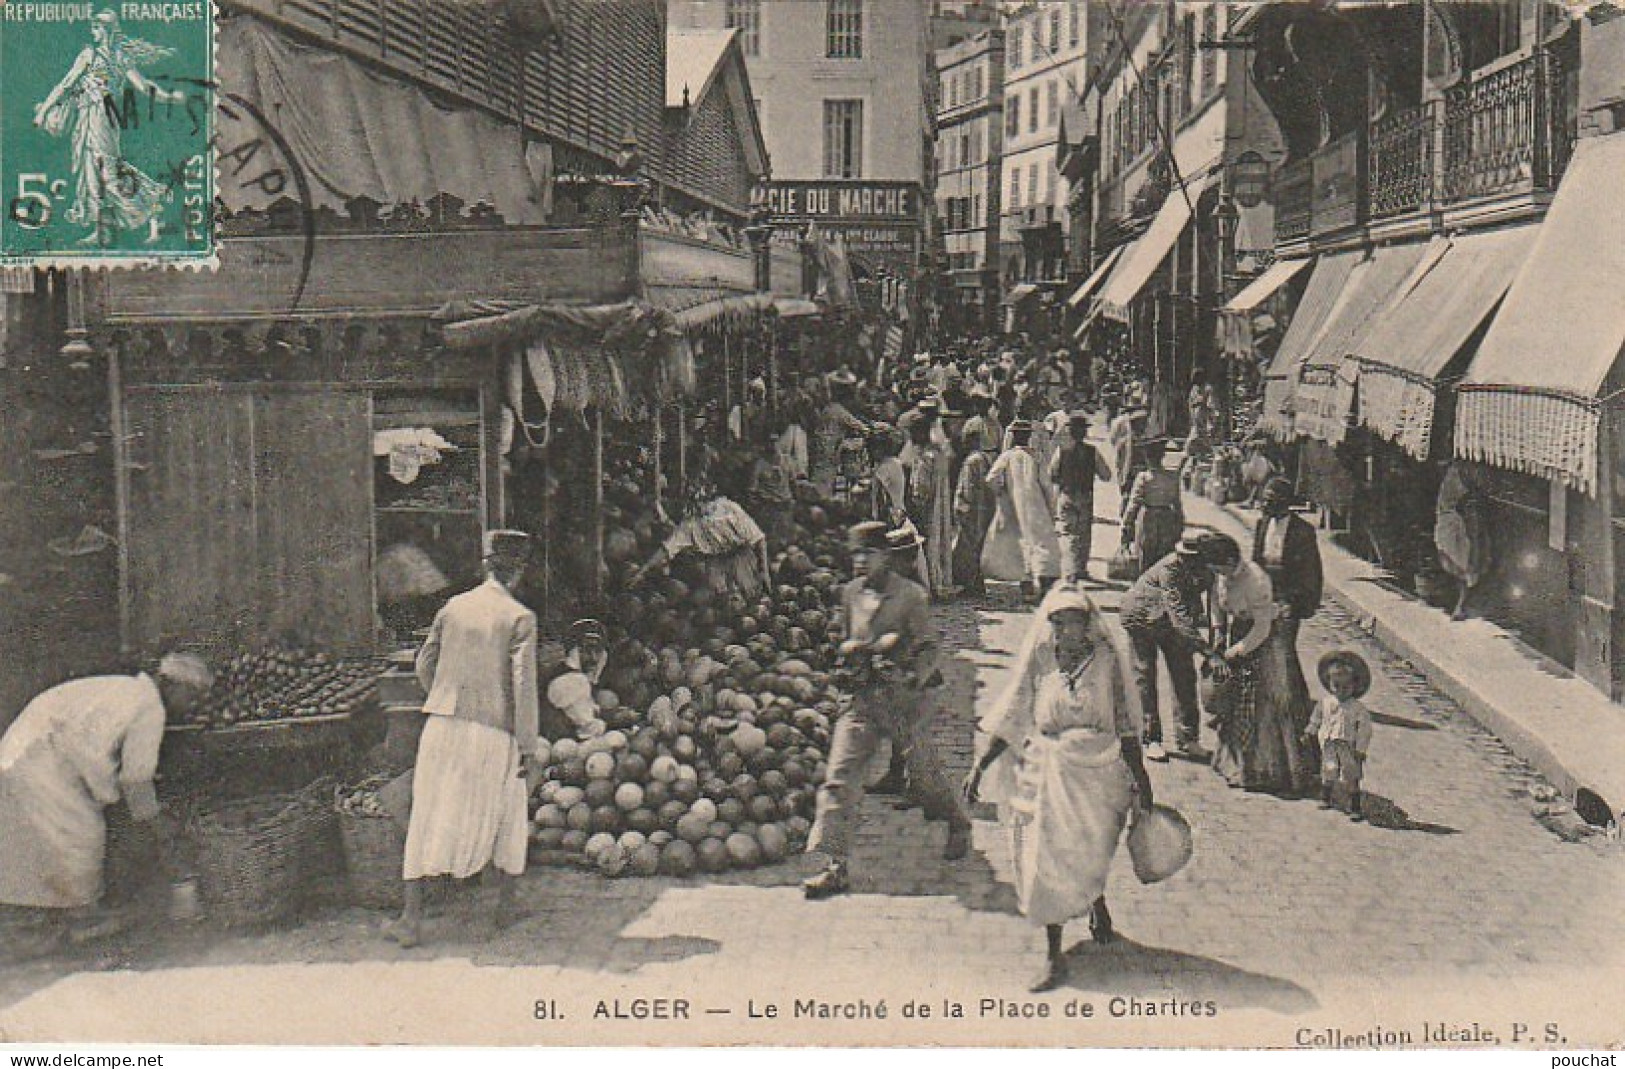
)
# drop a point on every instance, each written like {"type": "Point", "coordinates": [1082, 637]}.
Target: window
{"type": "Point", "coordinates": [1210, 56]}
{"type": "Point", "coordinates": [1187, 59]}
{"type": "Point", "coordinates": [1054, 31]}
{"type": "Point", "coordinates": [1076, 35]}
{"type": "Point", "coordinates": [976, 144]}
{"type": "Point", "coordinates": [1032, 183]}
{"type": "Point", "coordinates": [1012, 115]}
{"type": "Point", "coordinates": [1053, 104]}
{"type": "Point", "coordinates": [843, 139]}
{"type": "Point", "coordinates": [1013, 49]}
{"type": "Point", "coordinates": [1037, 53]}
{"type": "Point", "coordinates": [964, 150]}
{"type": "Point", "coordinates": [1049, 187]}
{"type": "Point", "coordinates": [976, 83]}
{"type": "Point", "coordinates": [976, 209]}
{"type": "Point", "coordinates": [1032, 110]}
{"type": "Point", "coordinates": [1015, 188]}
{"type": "Point", "coordinates": [746, 17]}
{"type": "Point", "coordinates": [844, 29]}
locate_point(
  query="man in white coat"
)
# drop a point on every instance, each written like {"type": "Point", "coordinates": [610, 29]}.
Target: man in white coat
{"type": "Point", "coordinates": [476, 755]}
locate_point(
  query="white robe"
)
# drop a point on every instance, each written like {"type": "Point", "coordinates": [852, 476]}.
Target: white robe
{"type": "Point", "coordinates": [72, 751]}
{"type": "Point", "coordinates": [1021, 544]}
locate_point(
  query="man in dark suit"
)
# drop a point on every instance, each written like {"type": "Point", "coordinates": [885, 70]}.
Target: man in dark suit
{"type": "Point", "coordinates": [881, 602]}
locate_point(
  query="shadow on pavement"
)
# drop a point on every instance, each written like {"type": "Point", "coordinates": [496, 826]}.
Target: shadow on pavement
{"type": "Point", "coordinates": [1401, 722]}
{"type": "Point", "coordinates": [1149, 974]}
{"type": "Point", "coordinates": [1383, 813]}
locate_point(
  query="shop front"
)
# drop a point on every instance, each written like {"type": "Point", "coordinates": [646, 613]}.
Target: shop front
{"type": "Point", "coordinates": [1538, 407]}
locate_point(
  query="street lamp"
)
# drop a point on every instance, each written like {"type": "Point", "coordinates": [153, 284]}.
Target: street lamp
{"type": "Point", "coordinates": [759, 230]}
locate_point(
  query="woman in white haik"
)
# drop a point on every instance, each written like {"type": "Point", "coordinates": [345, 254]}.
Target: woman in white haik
{"type": "Point", "coordinates": [1063, 763]}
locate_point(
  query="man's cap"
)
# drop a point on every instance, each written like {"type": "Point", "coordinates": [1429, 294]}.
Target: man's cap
{"type": "Point", "coordinates": [870, 534]}
{"type": "Point", "coordinates": [507, 545]}
{"type": "Point", "coordinates": [582, 630]}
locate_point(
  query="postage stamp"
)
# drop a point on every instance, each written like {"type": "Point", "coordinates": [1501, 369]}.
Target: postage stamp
{"type": "Point", "coordinates": [106, 132]}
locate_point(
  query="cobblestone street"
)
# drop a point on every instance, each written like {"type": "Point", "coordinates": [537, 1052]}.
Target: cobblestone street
{"type": "Point", "coordinates": [1291, 919]}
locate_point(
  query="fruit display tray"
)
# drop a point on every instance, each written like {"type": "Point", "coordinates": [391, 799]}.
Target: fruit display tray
{"type": "Point", "coordinates": [282, 733]}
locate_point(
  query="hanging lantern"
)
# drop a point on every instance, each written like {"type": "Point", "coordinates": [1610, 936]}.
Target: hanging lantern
{"type": "Point", "coordinates": [1250, 179]}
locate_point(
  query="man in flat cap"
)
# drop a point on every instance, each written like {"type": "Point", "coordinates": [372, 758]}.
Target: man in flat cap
{"type": "Point", "coordinates": [476, 754]}
{"type": "Point", "coordinates": [883, 608]}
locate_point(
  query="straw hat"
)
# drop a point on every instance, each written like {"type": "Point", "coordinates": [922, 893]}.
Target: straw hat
{"type": "Point", "coordinates": [1355, 663]}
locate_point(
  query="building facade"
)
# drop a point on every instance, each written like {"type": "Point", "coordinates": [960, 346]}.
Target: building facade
{"type": "Point", "coordinates": [970, 142]}
{"type": "Point", "coordinates": [843, 91]}
{"type": "Point", "coordinates": [1047, 59]}
{"type": "Point", "coordinates": [1158, 107]}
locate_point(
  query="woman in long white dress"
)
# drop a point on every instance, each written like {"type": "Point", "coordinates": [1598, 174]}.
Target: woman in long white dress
{"type": "Point", "coordinates": [1063, 763]}
{"type": "Point", "coordinates": [1021, 543]}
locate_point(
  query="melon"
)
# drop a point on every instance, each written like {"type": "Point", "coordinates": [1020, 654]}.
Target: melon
{"type": "Point", "coordinates": [762, 809]}
{"type": "Point", "coordinates": [644, 820]}
{"type": "Point", "coordinates": [774, 840]}
{"type": "Point", "coordinates": [663, 769]}
{"type": "Point", "coordinates": [599, 792]}
{"type": "Point", "coordinates": [564, 749]}
{"type": "Point", "coordinates": [544, 753]}
{"type": "Point", "coordinates": [705, 809]}
{"type": "Point", "coordinates": [631, 840]}
{"type": "Point", "coordinates": [660, 838]}
{"type": "Point", "coordinates": [693, 827]}
{"type": "Point", "coordinates": [607, 699]}
{"type": "Point", "coordinates": [632, 768]}
{"type": "Point", "coordinates": [578, 817]}
{"type": "Point", "coordinates": [611, 860]}
{"type": "Point", "coordinates": [615, 740]}
{"type": "Point", "coordinates": [548, 838]}
{"type": "Point", "coordinates": [606, 818]}
{"type": "Point", "coordinates": [550, 816]}
{"type": "Point", "coordinates": [678, 859]}
{"type": "Point", "coordinates": [743, 850]}
{"type": "Point", "coordinates": [748, 739]}
{"type": "Point", "coordinates": [644, 860]}
{"type": "Point", "coordinates": [569, 797]}
{"type": "Point", "coordinates": [685, 790]}
{"type": "Point", "coordinates": [671, 813]}
{"type": "Point", "coordinates": [628, 796]}
{"type": "Point", "coordinates": [597, 844]}
{"type": "Point", "coordinates": [656, 794]}
{"type": "Point", "coordinates": [573, 841]}
{"type": "Point", "coordinates": [713, 855]}
{"type": "Point", "coordinates": [600, 766]}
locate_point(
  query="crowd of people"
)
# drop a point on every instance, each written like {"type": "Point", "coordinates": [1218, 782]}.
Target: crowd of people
{"type": "Point", "coordinates": [971, 465]}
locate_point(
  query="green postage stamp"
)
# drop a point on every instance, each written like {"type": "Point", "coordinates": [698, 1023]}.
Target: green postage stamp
{"type": "Point", "coordinates": [106, 132]}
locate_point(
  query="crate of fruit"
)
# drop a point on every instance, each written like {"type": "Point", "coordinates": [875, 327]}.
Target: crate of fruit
{"type": "Point", "coordinates": [283, 698]}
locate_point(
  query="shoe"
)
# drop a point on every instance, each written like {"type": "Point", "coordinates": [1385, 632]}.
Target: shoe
{"type": "Point", "coordinates": [958, 844]}
{"type": "Point", "coordinates": [890, 784]}
{"type": "Point", "coordinates": [827, 884]}
{"type": "Point", "coordinates": [1194, 751]}
{"type": "Point", "coordinates": [1155, 752]}
{"type": "Point", "coordinates": [406, 936]}
{"type": "Point", "coordinates": [1054, 975]}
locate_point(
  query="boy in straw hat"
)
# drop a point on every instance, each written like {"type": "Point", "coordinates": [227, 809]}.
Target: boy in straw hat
{"type": "Point", "coordinates": [476, 753]}
{"type": "Point", "coordinates": [1342, 723]}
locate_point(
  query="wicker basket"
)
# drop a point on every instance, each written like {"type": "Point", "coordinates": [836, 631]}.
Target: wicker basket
{"type": "Point", "coordinates": [373, 848]}
{"type": "Point", "coordinates": [258, 858]}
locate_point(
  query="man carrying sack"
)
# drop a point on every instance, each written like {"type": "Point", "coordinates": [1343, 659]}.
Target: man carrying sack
{"type": "Point", "coordinates": [887, 622]}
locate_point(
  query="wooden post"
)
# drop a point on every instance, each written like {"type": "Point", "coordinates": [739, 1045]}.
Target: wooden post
{"type": "Point", "coordinates": [659, 440]}
{"type": "Point", "coordinates": [598, 501]}
{"type": "Point", "coordinates": [682, 448]}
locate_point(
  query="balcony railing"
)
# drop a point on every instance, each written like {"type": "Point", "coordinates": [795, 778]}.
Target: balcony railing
{"type": "Point", "coordinates": [1507, 131]}
{"type": "Point", "coordinates": [1401, 160]}
{"type": "Point", "coordinates": [1294, 200]}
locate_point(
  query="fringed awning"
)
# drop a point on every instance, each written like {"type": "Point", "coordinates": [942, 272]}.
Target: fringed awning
{"type": "Point", "coordinates": [1276, 419]}
{"type": "Point", "coordinates": [1550, 435]}
{"type": "Point", "coordinates": [618, 357]}
{"type": "Point", "coordinates": [1530, 401]}
{"type": "Point", "coordinates": [708, 308]}
{"type": "Point", "coordinates": [1398, 406]}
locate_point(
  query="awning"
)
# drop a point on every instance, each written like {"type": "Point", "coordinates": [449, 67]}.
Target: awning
{"type": "Point", "coordinates": [1146, 254]}
{"type": "Point", "coordinates": [1531, 398]}
{"type": "Point", "coordinates": [1264, 286]}
{"type": "Point", "coordinates": [359, 134]}
{"type": "Point", "coordinates": [1020, 293]}
{"type": "Point", "coordinates": [1326, 384]}
{"type": "Point", "coordinates": [1319, 299]}
{"type": "Point", "coordinates": [696, 307]}
{"type": "Point", "coordinates": [1402, 359]}
{"type": "Point", "coordinates": [1096, 277]}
